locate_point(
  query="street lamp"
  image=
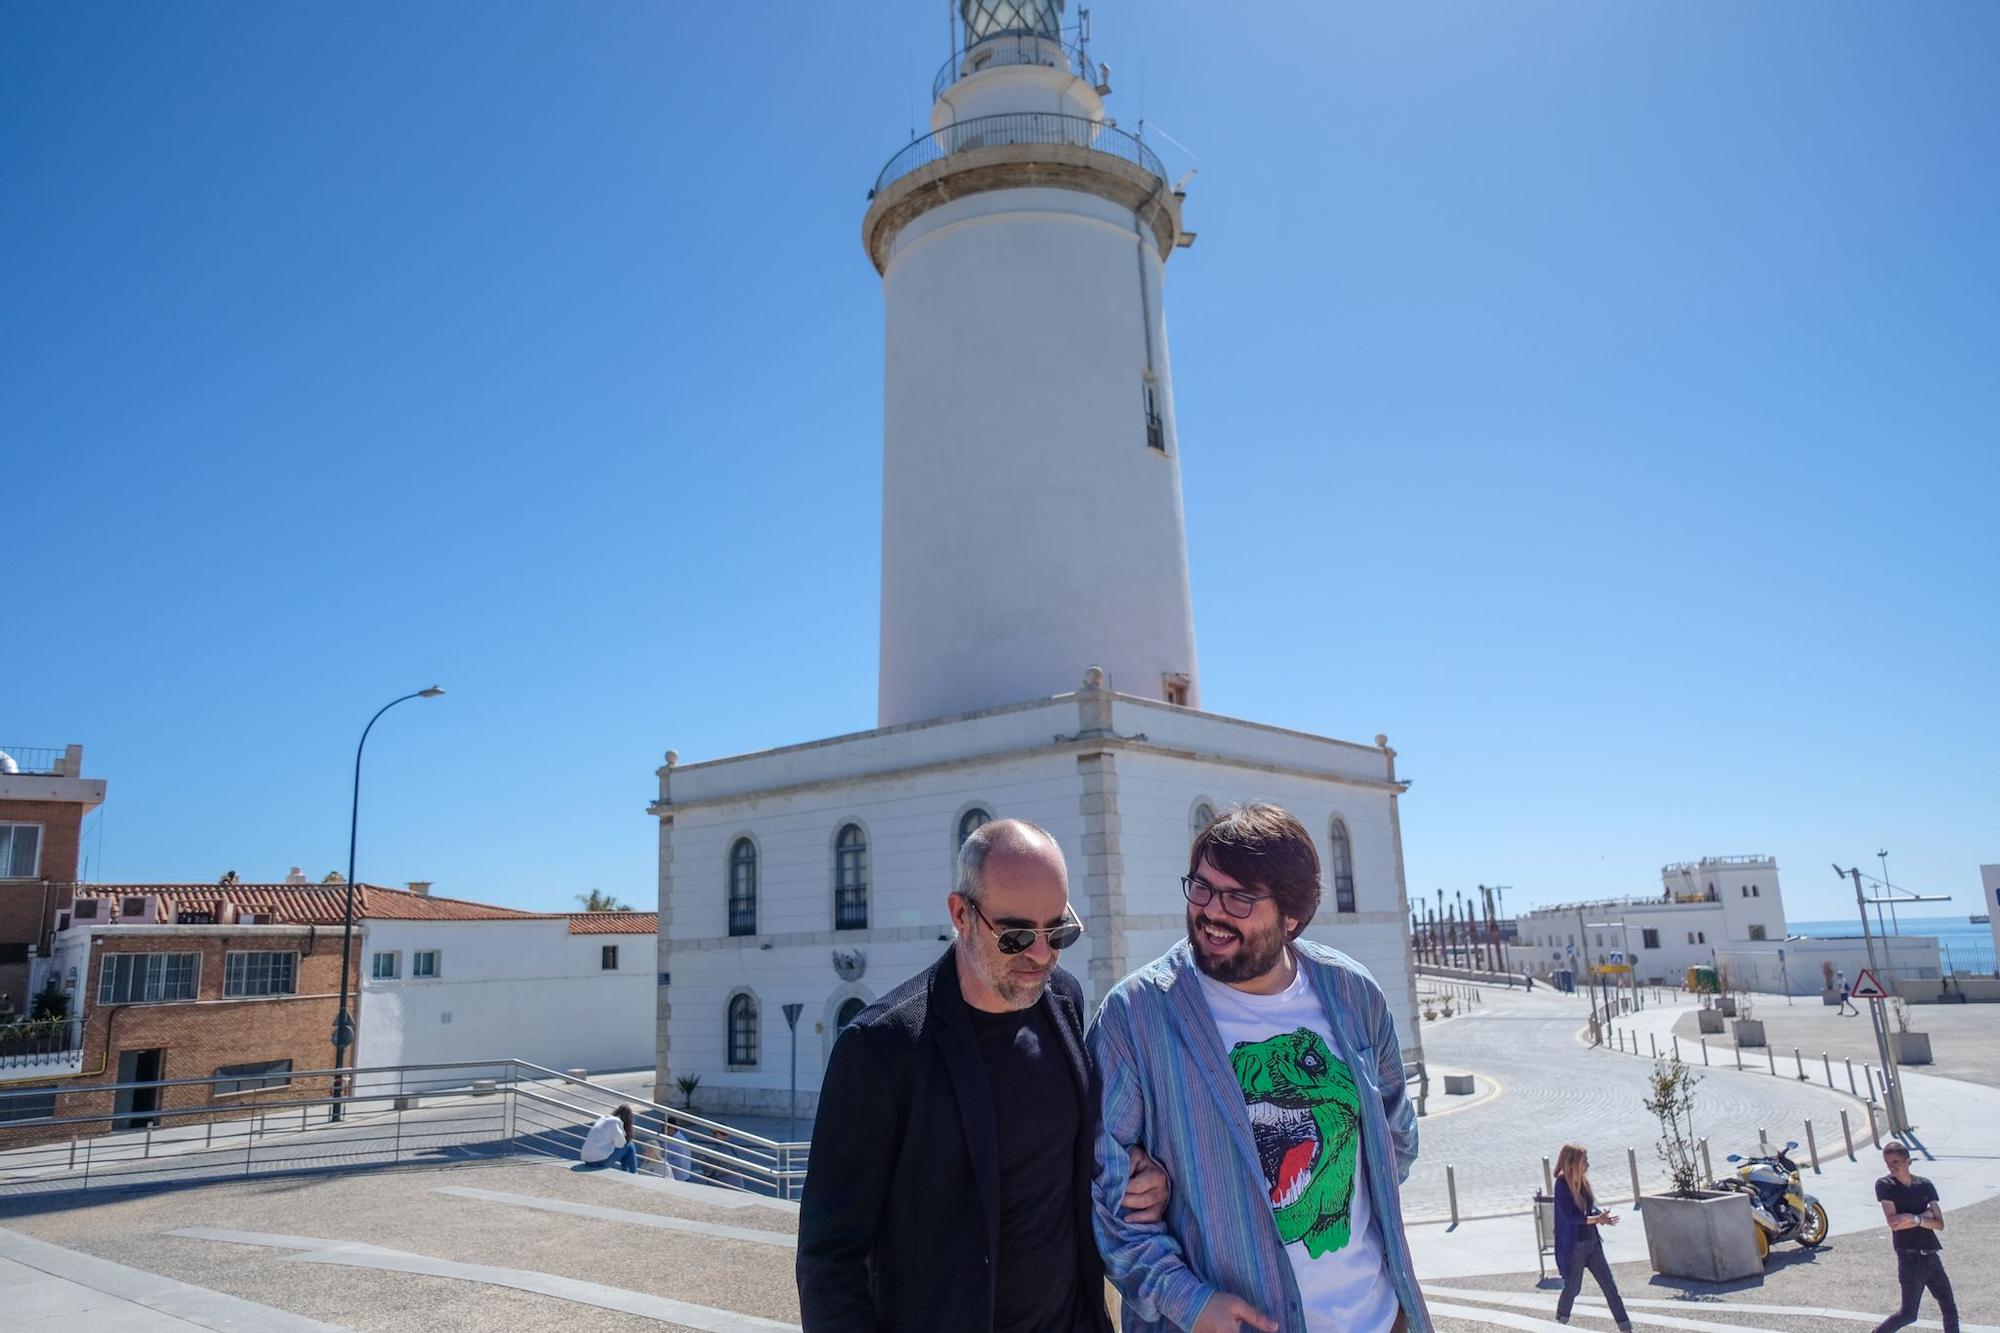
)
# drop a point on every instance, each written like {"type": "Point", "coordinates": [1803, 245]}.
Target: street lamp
{"type": "Point", "coordinates": [343, 1023]}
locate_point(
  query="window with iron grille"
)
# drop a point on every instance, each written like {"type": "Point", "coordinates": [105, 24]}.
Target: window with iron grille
{"type": "Point", "coordinates": [1649, 939]}
{"type": "Point", "coordinates": [1156, 429]}
{"type": "Point", "coordinates": [20, 850]}
{"type": "Point", "coordinates": [743, 888]}
{"type": "Point", "coordinates": [1343, 867]}
{"type": "Point", "coordinates": [250, 1077]}
{"type": "Point", "coordinates": [970, 823]}
{"type": "Point", "coordinates": [607, 959]}
{"type": "Point", "coordinates": [743, 1030]}
{"type": "Point", "coordinates": [849, 1011]}
{"type": "Point", "coordinates": [850, 879]}
{"type": "Point", "coordinates": [147, 978]}
{"type": "Point", "coordinates": [260, 973]}
{"type": "Point", "coordinates": [1202, 816]}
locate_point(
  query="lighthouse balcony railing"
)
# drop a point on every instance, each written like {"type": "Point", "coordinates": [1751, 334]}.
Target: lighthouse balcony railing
{"type": "Point", "coordinates": [1019, 128]}
{"type": "Point", "coordinates": [1013, 48]}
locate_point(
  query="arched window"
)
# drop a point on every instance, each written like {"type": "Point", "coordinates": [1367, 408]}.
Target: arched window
{"type": "Point", "coordinates": [849, 1011]}
{"type": "Point", "coordinates": [743, 888]}
{"type": "Point", "coordinates": [850, 879]}
{"type": "Point", "coordinates": [1200, 818]}
{"type": "Point", "coordinates": [1343, 866]}
{"type": "Point", "coordinates": [743, 1031]}
{"type": "Point", "coordinates": [969, 823]}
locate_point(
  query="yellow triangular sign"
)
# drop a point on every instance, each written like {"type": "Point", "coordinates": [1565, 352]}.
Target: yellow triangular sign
{"type": "Point", "coordinates": [1867, 988]}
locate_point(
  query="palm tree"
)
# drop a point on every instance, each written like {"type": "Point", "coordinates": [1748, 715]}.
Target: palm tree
{"type": "Point", "coordinates": [599, 901]}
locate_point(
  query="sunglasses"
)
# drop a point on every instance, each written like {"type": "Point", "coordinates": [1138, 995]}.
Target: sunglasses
{"type": "Point", "coordinates": [1019, 939]}
{"type": "Point", "coordinates": [1234, 901]}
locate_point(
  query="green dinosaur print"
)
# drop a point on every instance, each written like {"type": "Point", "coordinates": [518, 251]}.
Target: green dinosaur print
{"type": "Point", "coordinates": [1306, 1115]}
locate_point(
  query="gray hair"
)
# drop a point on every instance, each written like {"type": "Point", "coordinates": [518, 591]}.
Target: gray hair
{"type": "Point", "coordinates": [1006, 834]}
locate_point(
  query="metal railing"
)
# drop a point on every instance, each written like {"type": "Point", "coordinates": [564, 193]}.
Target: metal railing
{"type": "Point", "coordinates": [391, 1116]}
{"type": "Point", "coordinates": [1019, 127]}
{"type": "Point", "coordinates": [34, 758]}
{"type": "Point", "coordinates": [1013, 48]}
{"type": "Point", "coordinates": [37, 1042]}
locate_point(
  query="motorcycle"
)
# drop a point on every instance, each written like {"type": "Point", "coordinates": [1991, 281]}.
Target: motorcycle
{"type": "Point", "coordinates": [1779, 1204]}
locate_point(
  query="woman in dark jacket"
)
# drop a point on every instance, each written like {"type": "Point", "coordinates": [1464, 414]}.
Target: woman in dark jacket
{"type": "Point", "coordinates": [1578, 1246]}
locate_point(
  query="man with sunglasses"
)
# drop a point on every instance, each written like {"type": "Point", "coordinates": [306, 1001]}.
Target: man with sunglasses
{"type": "Point", "coordinates": [1915, 1218]}
{"type": "Point", "coordinates": [949, 1186]}
{"type": "Point", "coordinates": [1265, 1073]}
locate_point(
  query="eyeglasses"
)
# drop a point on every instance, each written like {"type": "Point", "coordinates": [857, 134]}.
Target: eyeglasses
{"type": "Point", "coordinates": [1019, 939]}
{"type": "Point", "coordinates": [1234, 901]}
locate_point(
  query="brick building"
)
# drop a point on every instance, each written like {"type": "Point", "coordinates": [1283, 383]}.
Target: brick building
{"type": "Point", "coordinates": [187, 981]}
{"type": "Point", "coordinates": [43, 800]}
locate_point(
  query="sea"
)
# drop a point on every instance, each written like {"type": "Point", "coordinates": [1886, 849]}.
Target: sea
{"type": "Point", "coordinates": [1962, 946]}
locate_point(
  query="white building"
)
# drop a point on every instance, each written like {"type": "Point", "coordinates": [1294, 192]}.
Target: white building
{"type": "Point", "coordinates": [563, 990]}
{"type": "Point", "coordinates": [1037, 651]}
{"type": "Point", "coordinates": [1703, 906]}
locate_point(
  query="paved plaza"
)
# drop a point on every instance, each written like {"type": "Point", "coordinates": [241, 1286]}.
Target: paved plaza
{"type": "Point", "coordinates": [513, 1243]}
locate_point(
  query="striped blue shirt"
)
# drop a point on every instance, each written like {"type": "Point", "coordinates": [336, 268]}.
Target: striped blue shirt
{"type": "Point", "coordinates": [1168, 1085]}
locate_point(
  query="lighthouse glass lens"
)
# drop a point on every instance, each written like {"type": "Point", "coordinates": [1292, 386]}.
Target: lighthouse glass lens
{"type": "Point", "coordinates": [989, 18]}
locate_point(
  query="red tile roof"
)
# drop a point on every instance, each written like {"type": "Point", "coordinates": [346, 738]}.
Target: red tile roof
{"type": "Point", "coordinates": [614, 923]}
{"type": "Point", "coordinates": [310, 904]}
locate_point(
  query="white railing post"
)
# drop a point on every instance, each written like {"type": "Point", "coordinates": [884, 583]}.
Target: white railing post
{"type": "Point", "coordinates": [1451, 1190]}
{"type": "Point", "coordinates": [1632, 1162]}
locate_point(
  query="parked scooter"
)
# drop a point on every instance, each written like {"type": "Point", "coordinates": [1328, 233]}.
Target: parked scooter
{"type": "Point", "coordinates": [1780, 1205]}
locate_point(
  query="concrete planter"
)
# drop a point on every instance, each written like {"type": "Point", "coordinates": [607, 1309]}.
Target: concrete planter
{"type": "Point", "coordinates": [1710, 1238]}
{"type": "Point", "coordinates": [1458, 1085]}
{"type": "Point", "coordinates": [1829, 997]}
{"type": "Point", "coordinates": [1711, 1021]}
{"type": "Point", "coordinates": [1912, 1048]}
{"type": "Point", "coordinates": [1727, 1006]}
{"type": "Point", "coordinates": [1749, 1032]}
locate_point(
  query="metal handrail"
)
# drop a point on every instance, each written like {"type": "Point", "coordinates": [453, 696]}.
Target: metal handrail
{"type": "Point", "coordinates": [1020, 127]}
{"type": "Point", "coordinates": [35, 760]}
{"type": "Point", "coordinates": [1007, 49]}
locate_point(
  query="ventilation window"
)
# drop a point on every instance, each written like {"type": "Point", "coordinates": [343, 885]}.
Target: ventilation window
{"type": "Point", "coordinates": [1156, 429]}
{"type": "Point", "coordinates": [1174, 688]}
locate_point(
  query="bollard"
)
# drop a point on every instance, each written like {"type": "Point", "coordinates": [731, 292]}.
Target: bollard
{"type": "Point", "coordinates": [1829, 1068]}
{"type": "Point", "coordinates": [1812, 1147]}
{"type": "Point", "coordinates": [1654, 1043]}
{"type": "Point", "coordinates": [1739, 1057]}
{"type": "Point", "coordinates": [1451, 1189]}
{"type": "Point", "coordinates": [1677, 1048]}
{"type": "Point", "coordinates": [1800, 1060]}
{"type": "Point", "coordinates": [1771, 1058]}
{"type": "Point", "coordinates": [1874, 1128]}
{"type": "Point", "coordinates": [1704, 1052]}
{"type": "Point", "coordinates": [1763, 1141]}
{"type": "Point", "coordinates": [1632, 1164]}
{"type": "Point", "coordinates": [1852, 1090]}
{"type": "Point", "coordinates": [1548, 1177]}
{"type": "Point", "coordinates": [1869, 1072]}
{"type": "Point", "coordinates": [1847, 1132]}
{"type": "Point", "coordinates": [1707, 1167]}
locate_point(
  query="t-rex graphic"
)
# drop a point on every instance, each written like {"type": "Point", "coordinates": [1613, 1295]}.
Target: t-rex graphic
{"type": "Point", "coordinates": [1306, 1115]}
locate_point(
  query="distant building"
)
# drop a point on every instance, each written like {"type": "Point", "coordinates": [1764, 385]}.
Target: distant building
{"type": "Point", "coordinates": [1703, 906]}
{"type": "Point", "coordinates": [241, 982]}
{"type": "Point", "coordinates": [43, 800]}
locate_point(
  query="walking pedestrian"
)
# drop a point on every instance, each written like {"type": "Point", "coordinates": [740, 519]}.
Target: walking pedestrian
{"type": "Point", "coordinates": [1578, 1245]}
{"type": "Point", "coordinates": [610, 1142]}
{"type": "Point", "coordinates": [1910, 1203]}
{"type": "Point", "coordinates": [1847, 1009]}
{"type": "Point", "coordinates": [1262, 1070]}
{"type": "Point", "coordinates": [1527, 977]}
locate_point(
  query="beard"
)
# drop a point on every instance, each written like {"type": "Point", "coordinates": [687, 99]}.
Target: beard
{"type": "Point", "coordinates": [1255, 953]}
{"type": "Point", "coordinates": [1003, 974]}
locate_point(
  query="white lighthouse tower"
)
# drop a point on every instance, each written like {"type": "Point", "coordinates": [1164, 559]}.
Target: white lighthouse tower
{"type": "Point", "coordinates": [1031, 519]}
{"type": "Point", "coordinates": [1037, 643]}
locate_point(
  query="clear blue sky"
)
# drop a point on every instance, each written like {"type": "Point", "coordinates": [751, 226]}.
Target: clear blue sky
{"type": "Point", "coordinates": [1599, 399]}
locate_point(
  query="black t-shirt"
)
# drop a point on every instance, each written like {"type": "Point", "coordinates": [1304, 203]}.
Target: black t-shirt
{"type": "Point", "coordinates": [1035, 1112]}
{"type": "Point", "coordinates": [1912, 1198]}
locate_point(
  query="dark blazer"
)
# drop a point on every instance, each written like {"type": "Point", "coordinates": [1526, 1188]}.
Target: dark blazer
{"type": "Point", "coordinates": [900, 1221]}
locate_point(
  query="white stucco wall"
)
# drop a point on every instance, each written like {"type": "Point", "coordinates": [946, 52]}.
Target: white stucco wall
{"type": "Point", "coordinates": [526, 990]}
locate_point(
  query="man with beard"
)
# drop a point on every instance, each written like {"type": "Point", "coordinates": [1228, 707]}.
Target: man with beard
{"type": "Point", "coordinates": [949, 1186]}
{"type": "Point", "coordinates": [1266, 1074]}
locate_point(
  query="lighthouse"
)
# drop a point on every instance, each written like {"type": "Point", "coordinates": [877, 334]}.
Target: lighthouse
{"type": "Point", "coordinates": [1031, 495]}
{"type": "Point", "coordinates": [1037, 649]}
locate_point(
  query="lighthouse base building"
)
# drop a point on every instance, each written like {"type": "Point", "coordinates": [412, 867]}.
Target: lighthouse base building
{"type": "Point", "coordinates": [816, 874]}
{"type": "Point", "coordinates": [1037, 635]}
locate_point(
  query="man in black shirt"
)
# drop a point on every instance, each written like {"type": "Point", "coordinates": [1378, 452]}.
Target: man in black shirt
{"type": "Point", "coordinates": [1911, 1205]}
{"type": "Point", "coordinates": [949, 1185]}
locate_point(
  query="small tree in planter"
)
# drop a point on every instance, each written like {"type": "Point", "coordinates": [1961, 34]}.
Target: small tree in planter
{"type": "Point", "coordinates": [687, 1084]}
{"type": "Point", "coordinates": [1829, 992]}
{"type": "Point", "coordinates": [1912, 1048]}
{"type": "Point", "coordinates": [1749, 1029]}
{"type": "Point", "coordinates": [1725, 997]}
{"type": "Point", "coordinates": [1692, 1232]}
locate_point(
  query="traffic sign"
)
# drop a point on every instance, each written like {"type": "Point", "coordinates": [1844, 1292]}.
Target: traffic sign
{"type": "Point", "coordinates": [1866, 987]}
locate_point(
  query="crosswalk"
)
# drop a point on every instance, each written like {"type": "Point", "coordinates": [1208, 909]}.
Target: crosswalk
{"type": "Point", "coordinates": [1535, 1312]}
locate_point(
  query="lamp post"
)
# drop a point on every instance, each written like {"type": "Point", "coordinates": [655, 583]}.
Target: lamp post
{"type": "Point", "coordinates": [343, 1023]}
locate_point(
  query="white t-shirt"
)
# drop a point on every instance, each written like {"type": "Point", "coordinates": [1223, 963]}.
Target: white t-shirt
{"type": "Point", "coordinates": [607, 1136]}
{"type": "Point", "coordinates": [1305, 1111]}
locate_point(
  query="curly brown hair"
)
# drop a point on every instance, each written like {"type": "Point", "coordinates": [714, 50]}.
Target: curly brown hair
{"type": "Point", "coordinates": [1265, 847]}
